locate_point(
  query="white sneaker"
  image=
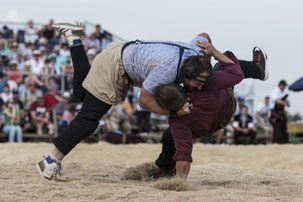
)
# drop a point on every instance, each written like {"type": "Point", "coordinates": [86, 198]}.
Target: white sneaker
{"type": "Point", "coordinates": [72, 32]}
{"type": "Point", "coordinates": [48, 168]}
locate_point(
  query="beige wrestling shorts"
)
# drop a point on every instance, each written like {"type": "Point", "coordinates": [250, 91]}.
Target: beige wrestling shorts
{"type": "Point", "coordinates": [105, 79]}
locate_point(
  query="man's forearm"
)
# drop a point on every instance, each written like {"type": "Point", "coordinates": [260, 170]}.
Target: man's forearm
{"type": "Point", "coordinates": [154, 107]}
{"type": "Point", "coordinates": [183, 168]}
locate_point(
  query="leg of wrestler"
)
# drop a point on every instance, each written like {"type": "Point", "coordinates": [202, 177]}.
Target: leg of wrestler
{"type": "Point", "coordinates": [81, 68]}
{"type": "Point", "coordinates": [165, 159]}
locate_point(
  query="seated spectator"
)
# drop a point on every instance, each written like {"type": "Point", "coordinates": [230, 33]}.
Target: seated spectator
{"type": "Point", "coordinates": [62, 105]}
{"type": "Point", "coordinates": [14, 73]}
{"type": "Point", "coordinates": [11, 122]}
{"type": "Point", "coordinates": [30, 32]}
{"type": "Point", "coordinates": [244, 127]}
{"type": "Point", "coordinates": [6, 95]}
{"type": "Point", "coordinates": [40, 115]}
{"type": "Point", "coordinates": [21, 63]}
{"type": "Point", "coordinates": [5, 33]}
{"type": "Point", "coordinates": [94, 42]}
{"type": "Point", "coordinates": [37, 63]}
{"type": "Point", "coordinates": [48, 31]}
{"type": "Point", "coordinates": [262, 117]}
{"type": "Point", "coordinates": [157, 120]}
{"type": "Point", "coordinates": [30, 95]}
{"type": "Point", "coordinates": [18, 103]}
{"type": "Point", "coordinates": [51, 98]}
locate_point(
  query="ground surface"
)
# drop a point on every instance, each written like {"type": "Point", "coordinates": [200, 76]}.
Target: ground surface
{"type": "Point", "coordinates": [92, 173]}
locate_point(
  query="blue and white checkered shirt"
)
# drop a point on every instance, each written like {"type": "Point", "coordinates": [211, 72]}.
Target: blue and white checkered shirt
{"type": "Point", "coordinates": [153, 63]}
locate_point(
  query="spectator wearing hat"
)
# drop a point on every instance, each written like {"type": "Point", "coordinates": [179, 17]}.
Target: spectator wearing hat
{"type": "Point", "coordinates": [40, 115]}
{"type": "Point", "coordinates": [37, 63]}
{"type": "Point", "coordinates": [11, 121]}
{"type": "Point", "coordinates": [278, 118]}
{"type": "Point", "coordinates": [240, 104]}
{"type": "Point", "coordinates": [14, 73]}
{"type": "Point", "coordinates": [62, 105]}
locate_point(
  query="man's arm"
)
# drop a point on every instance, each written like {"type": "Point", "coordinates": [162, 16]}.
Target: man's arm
{"type": "Point", "coordinates": [148, 102]}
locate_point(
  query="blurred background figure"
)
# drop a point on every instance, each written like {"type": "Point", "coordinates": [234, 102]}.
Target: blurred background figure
{"type": "Point", "coordinates": [11, 121]}
{"type": "Point", "coordinates": [262, 117]}
{"type": "Point", "coordinates": [278, 118]}
{"type": "Point", "coordinates": [244, 127]}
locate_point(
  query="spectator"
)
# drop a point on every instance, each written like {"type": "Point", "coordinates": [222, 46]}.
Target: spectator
{"type": "Point", "coordinates": [60, 59]}
{"type": "Point", "coordinates": [52, 97]}
{"type": "Point", "coordinates": [107, 40]}
{"type": "Point", "coordinates": [48, 31]}
{"type": "Point", "coordinates": [98, 33]}
{"type": "Point", "coordinates": [240, 104]}
{"type": "Point", "coordinates": [63, 105]}
{"type": "Point", "coordinates": [17, 102]}
{"type": "Point", "coordinates": [11, 122]}
{"type": "Point", "coordinates": [244, 126]}
{"type": "Point", "coordinates": [262, 117]}
{"type": "Point", "coordinates": [29, 96]}
{"type": "Point", "coordinates": [3, 81]}
{"type": "Point", "coordinates": [21, 63]}
{"type": "Point", "coordinates": [278, 118]}
{"type": "Point", "coordinates": [14, 49]}
{"type": "Point", "coordinates": [94, 42]}
{"type": "Point", "coordinates": [6, 95]}
{"type": "Point", "coordinates": [14, 73]}
{"type": "Point", "coordinates": [6, 34]}
{"type": "Point", "coordinates": [30, 32]}
{"type": "Point", "coordinates": [40, 115]}
{"type": "Point", "coordinates": [91, 53]}
{"type": "Point", "coordinates": [37, 63]}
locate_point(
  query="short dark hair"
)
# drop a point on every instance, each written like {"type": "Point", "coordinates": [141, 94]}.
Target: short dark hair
{"type": "Point", "coordinates": [170, 96]}
{"type": "Point", "coordinates": [194, 65]}
{"type": "Point", "coordinates": [282, 82]}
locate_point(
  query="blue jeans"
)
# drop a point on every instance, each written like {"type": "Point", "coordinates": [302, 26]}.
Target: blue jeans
{"type": "Point", "coordinates": [11, 131]}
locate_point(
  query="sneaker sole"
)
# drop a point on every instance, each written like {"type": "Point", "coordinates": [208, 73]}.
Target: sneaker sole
{"type": "Point", "coordinates": [266, 73]}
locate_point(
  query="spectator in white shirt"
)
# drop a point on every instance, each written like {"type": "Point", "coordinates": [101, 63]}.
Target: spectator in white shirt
{"type": "Point", "coordinates": [262, 117]}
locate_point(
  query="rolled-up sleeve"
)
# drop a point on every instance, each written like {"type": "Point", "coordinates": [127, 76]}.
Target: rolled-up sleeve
{"type": "Point", "coordinates": [182, 135]}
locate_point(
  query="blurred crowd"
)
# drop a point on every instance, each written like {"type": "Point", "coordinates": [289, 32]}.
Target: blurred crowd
{"type": "Point", "coordinates": [36, 94]}
{"type": "Point", "coordinates": [36, 73]}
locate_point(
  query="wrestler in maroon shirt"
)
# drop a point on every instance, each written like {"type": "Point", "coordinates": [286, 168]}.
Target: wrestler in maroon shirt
{"type": "Point", "coordinates": [213, 107]}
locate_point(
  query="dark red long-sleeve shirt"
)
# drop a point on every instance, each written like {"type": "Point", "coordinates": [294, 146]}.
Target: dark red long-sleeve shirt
{"type": "Point", "coordinates": [212, 109]}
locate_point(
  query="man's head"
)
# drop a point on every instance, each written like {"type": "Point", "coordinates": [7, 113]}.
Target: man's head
{"type": "Point", "coordinates": [266, 100]}
{"type": "Point", "coordinates": [195, 72]}
{"type": "Point", "coordinates": [170, 96]}
{"type": "Point", "coordinates": [244, 110]}
{"type": "Point", "coordinates": [282, 85]}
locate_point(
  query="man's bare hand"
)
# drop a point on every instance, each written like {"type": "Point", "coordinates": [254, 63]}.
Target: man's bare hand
{"type": "Point", "coordinates": [207, 48]}
{"type": "Point", "coordinates": [185, 109]}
